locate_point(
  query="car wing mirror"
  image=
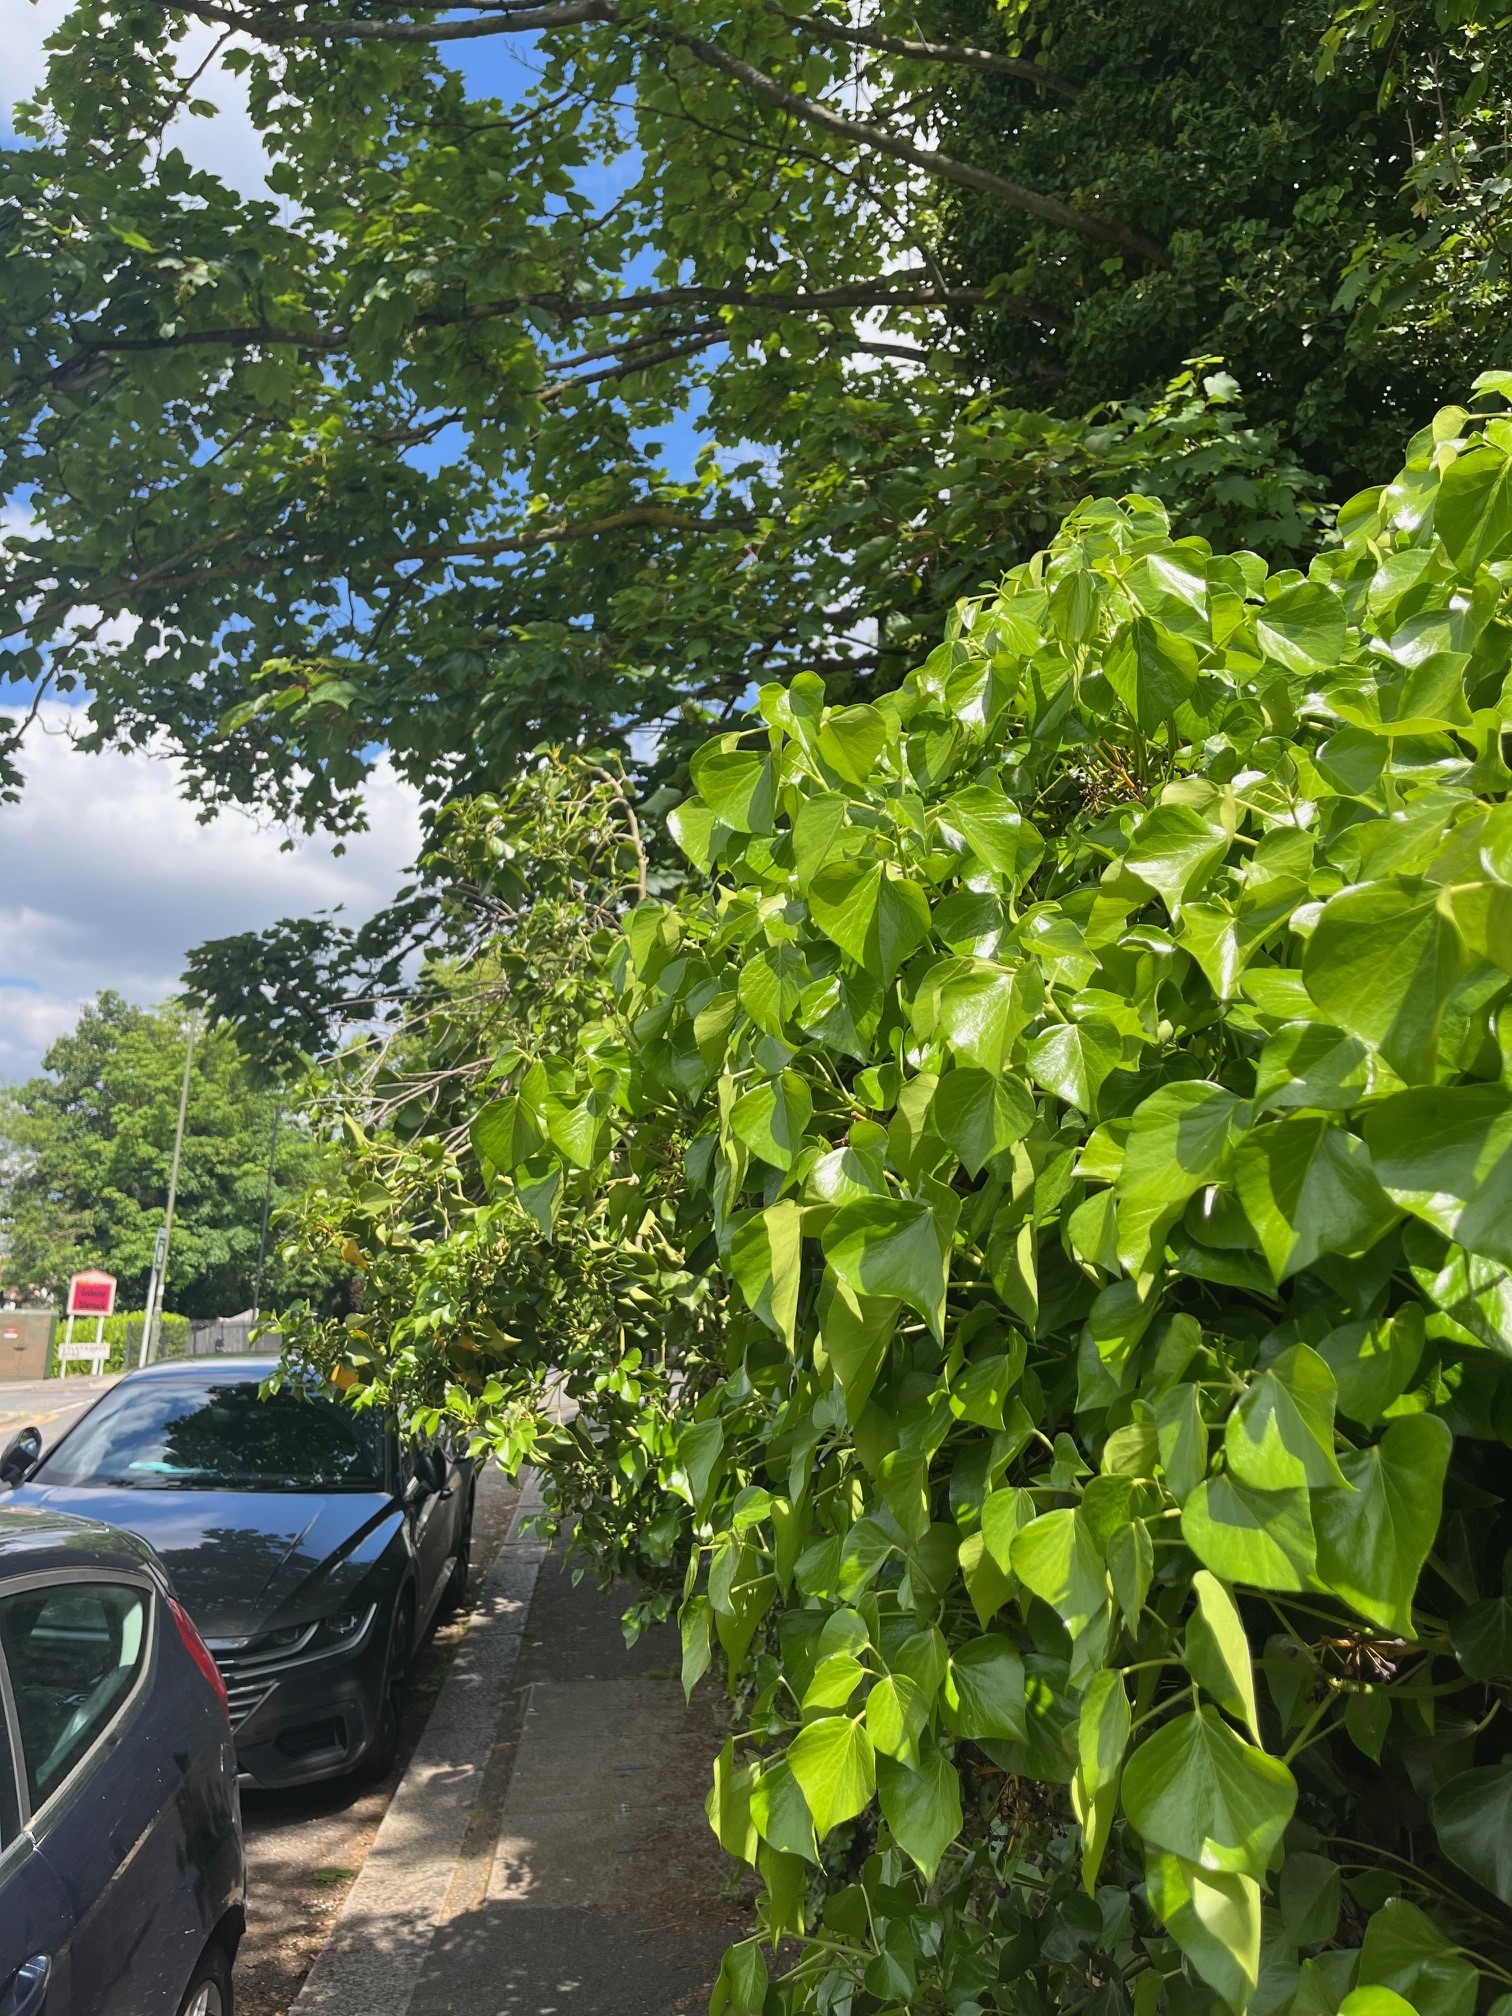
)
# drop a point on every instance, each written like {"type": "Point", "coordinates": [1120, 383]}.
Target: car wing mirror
{"type": "Point", "coordinates": [416, 1491]}
{"type": "Point", "coordinates": [22, 1455]}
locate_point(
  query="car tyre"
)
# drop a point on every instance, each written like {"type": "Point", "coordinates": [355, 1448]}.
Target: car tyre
{"type": "Point", "coordinates": [209, 1992]}
{"type": "Point", "coordinates": [376, 1761]}
{"type": "Point", "coordinates": [454, 1596]}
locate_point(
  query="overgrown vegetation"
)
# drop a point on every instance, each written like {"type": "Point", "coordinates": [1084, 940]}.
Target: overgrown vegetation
{"type": "Point", "coordinates": [1026, 1226]}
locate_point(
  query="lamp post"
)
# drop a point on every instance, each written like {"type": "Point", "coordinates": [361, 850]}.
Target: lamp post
{"type": "Point", "coordinates": [262, 1241]}
{"type": "Point", "coordinates": [159, 1279]}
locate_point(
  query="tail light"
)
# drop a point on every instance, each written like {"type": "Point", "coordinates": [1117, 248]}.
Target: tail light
{"type": "Point", "coordinates": [199, 1652]}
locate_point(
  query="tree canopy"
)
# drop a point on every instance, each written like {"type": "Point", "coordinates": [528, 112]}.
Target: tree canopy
{"type": "Point", "coordinates": [86, 1147]}
{"type": "Point", "coordinates": [398, 457]}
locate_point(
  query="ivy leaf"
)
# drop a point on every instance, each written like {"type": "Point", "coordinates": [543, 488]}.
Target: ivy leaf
{"type": "Point", "coordinates": [1280, 1435]}
{"type": "Point", "coordinates": [1482, 1638]}
{"type": "Point", "coordinates": [1217, 1653]}
{"type": "Point", "coordinates": [1372, 1363]}
{"type": "Point", "coordinates": [1263, 1539]}
{"type": "Point", "coordinates": [1057, 1558]}
{"type": "Point", "coordinates": [833, 1763]}
{"type": "Point", "coordinates": [1445, 1153]}
{"type": "Point", "coordinates": [1199, 1791]}
{"type": "Point", "coordinates": [851, 740]}
{"type": "Point", "coordinates": [891, 1246]}
{"type": "Point", "coordinates": [728, 1805]}
{"type": "Point", "coordinates": [1374, 1538]}
{"type": "Point", "coordinates": [981, 1014]}
{"type": "Point", "coordinates": [1303, 627]}
{"type": "Point", "coordinates": [994, 830]}
{"type": "Point", "coordinates": [1152, 670]}
{"type": "Point", "coordinates": [1072, 1060]}
{"type": "Point", "coordinates": [1102, 1738]}
{"type": "Point", "coordinates": [922, 1808]}
{"type": "Point", "coordinates": [984, 1690]}
{"type": "Point", "coordinates": [1472, 512]}
{"type": "Point", "coordinates": [872, 911]}
{"type": "Point", "coordinates": [1309, 1893]}
{"type": "Point", "coordinates": [897, 1714]}
{"type": "Point", "coordinates": [779, 1813]}
{"type": "Point", "coordinates": [1380, 964]}
{"type": "Point", "coordinates": [773, 1117]}
{"type": "Point", "coordinates": [1178, 1142]}
{"type": "Point", "coordinates": [856, 1332]}
{"type": "Point", "coordinates": [1215, 1920]}
{"type": "Point", "coordinates": [736, 785]}
{"type": "Point", "coordinates": [1403, 1950]}
{"type": "Point", "coordinates": [979, 1114]}
{"type": "Point", "coordinates": [1173, 849]}
{"type": "Point", "coordinates": [1308, 1188]}
{"type": "Point", "coordinates": [770, 986]}
{"type": "Point", "coordinates": [1472, 1816]}
{"type": "Point", "coordinates": [766, 1260]}
{"type": "Point", "coordinates": [504, 1132]}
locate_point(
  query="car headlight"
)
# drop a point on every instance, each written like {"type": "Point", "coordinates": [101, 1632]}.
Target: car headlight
{"type": "Point", "coordinates": [341, 1627]}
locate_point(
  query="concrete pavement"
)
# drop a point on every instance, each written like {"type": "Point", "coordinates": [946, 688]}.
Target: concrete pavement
{"type": "Point", "coordinates": [547, 1849]}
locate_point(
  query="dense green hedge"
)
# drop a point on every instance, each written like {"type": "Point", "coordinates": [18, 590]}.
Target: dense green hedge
{"type": "Point", "coordinates": [1032, 1239]}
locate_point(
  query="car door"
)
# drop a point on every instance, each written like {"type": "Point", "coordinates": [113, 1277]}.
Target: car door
{"type": "Point", "coordinates": [78, 1648]}
{"type": "Point", "coordinates": [35, 1921]}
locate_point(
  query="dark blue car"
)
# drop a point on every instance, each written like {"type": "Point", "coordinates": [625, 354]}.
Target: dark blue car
{"type": "Point", "coordinates": [311, 1546]}
{"type": "Point", "coordinates": [121, 1874]}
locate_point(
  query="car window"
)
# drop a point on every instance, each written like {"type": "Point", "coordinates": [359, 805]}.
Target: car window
{"type": "Point", "coordinates": [72, 1653]}
{"type": "Point", "coordinates": [171, 1434]}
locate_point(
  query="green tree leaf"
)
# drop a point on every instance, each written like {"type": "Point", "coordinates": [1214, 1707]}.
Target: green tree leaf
{"type": "Point", "coordinates": [1374, 1537]}
{"type": "Point", "coordinates": [1280, 1436]}
{"type": "Point", "coordinates": [1380, 964]}
{"type": "Point", "coordinates": [1199, 1791]}
{"type": "Point", "coordinates": [872, 911]}
{"type": "Point", "coordinates": [1215, 1920]}
{"type": "Point", "coordinates": [1472, 1816]}
{"type": "Point", "coordinates": [1308, 1188]}
{"type": "Point", "coordinates": [891, 1247]}
{"type": "Point", "coordinates": [1445, 1154]}
{"type": "Point", "coordinates": [832, 1761]}
{"type": "Point", "coordinates": [1263, 1539]}
{"type": "Point", "coordinates": [1217, 1653]}
{"type": "Point", "coordinates": [922, 1807]}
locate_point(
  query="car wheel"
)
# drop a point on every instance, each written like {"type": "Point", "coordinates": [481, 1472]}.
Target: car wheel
{"type": "Point", "coordinates": [378, 1757]}
{"type": "Point", "coordinates": [209, 1993]}
{"type": "Point", "coordinates": [455, 1593]}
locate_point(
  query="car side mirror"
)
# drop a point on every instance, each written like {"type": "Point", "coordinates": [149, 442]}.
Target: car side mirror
{"type": "Point", "coordinates": [416, 1491]}
{"type": "Point", "coordinates": [22, 1455]}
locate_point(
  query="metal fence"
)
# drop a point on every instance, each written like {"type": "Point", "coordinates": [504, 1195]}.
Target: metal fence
{"type": "Point", "coordinates": [231, 1335]}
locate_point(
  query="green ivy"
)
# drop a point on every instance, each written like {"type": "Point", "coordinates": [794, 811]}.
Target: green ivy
{"type": "Point", "coordinates": [1041, 1206]}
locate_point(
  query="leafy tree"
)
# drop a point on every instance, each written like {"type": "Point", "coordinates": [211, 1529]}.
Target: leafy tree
{"type": "Point", "coordinates": [1030, 1247]}
{"type": "Point", "coordinates": [389, 458]}
{"type": "Point", "coordinates": [88, 1144]}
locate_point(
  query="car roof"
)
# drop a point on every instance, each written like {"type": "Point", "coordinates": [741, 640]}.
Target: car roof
{"type": "Point", "coordinates": [35, 1539]}
{"type": "Point", "coordinates": [221, 1365]}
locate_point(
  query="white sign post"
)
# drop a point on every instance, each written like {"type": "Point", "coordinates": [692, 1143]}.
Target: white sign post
{"type": "Point", "coordinates": [89, 1294]}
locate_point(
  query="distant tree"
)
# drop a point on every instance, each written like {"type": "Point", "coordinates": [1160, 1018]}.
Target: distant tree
{"type": "Point", "coordinates": [84, 1156]}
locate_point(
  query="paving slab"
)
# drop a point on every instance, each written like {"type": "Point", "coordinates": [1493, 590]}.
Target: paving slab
{"type": "Point", "coordinates": [605, 1892]}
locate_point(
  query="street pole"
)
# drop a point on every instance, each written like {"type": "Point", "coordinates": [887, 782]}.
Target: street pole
{"type": "Point", "coordinates": [165, 1237]}
{"type": "Point", "coordinates": [262, 1241]}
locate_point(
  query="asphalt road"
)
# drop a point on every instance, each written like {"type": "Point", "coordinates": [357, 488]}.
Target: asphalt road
{"type": "Point", "coordinates": [49, 1404]}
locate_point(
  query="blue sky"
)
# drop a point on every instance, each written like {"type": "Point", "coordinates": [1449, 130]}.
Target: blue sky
{"type": "Point", "coordinates": [106, 876]}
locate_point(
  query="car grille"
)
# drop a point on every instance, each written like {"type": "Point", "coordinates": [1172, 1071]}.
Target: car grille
{"type": "Point", "coordinates": [243, 1696]}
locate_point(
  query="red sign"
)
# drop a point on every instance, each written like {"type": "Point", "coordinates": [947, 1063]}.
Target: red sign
{"type": "Point", "coordinates": [92, 1295]}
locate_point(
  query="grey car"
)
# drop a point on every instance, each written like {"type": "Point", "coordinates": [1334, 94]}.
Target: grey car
{"type": "Point", "coordinates": [122, 1882]}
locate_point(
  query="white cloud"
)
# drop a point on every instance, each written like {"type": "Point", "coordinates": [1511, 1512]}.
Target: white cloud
{"type": "Point", "coordinates": [227, 145]}
{"type": "Point", "coordinates": [107, 880]}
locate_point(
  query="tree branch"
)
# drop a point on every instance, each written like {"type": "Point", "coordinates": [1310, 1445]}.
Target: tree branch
{"type": "Point", "coordinates": [527, 20]}
{"type": "Point", "coordinates": [1103, 230]}
{"type": "Point", "coordinates": [935, 52]}
{"type": "Point", "coordinates": [86, 366]}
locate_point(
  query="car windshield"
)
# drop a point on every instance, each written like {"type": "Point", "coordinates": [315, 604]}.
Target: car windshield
{"type": "Point", "coordinates": [189, 1434]}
